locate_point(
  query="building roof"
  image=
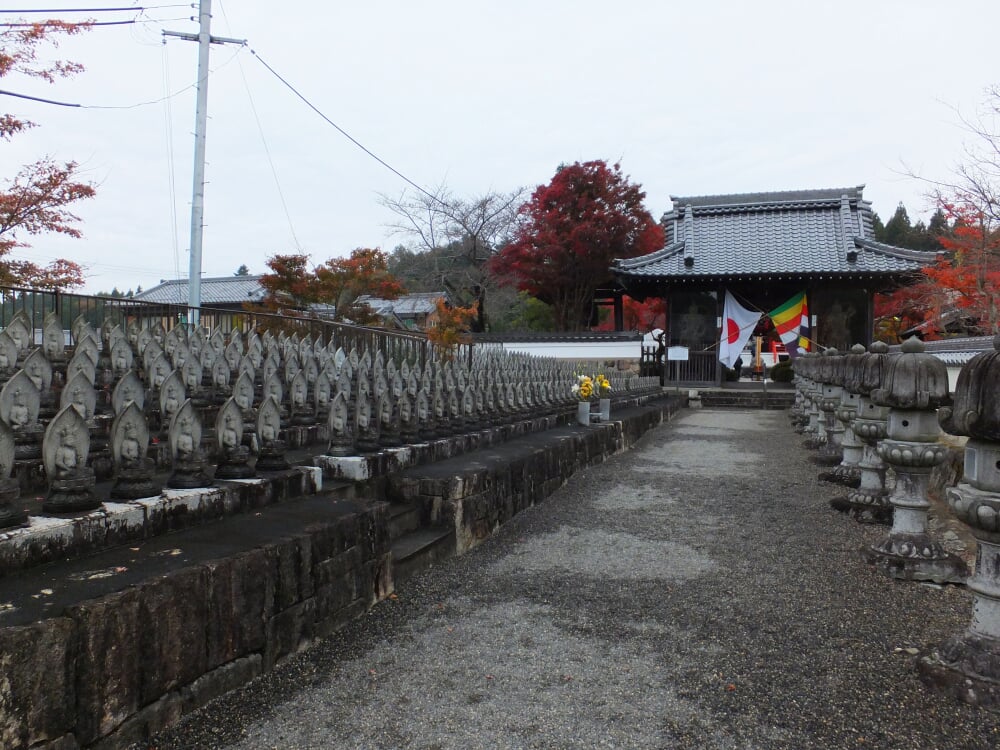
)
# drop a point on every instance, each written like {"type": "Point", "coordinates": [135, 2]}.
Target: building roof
{"type": "Point", "coordinates": [790, 234]}
{"type": "Point", "coordinates": [408, 305]}
{"type": "Point", "coordinates": [214, 291]}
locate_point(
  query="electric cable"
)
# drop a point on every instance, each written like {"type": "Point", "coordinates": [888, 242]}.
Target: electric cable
{"type": "Point", "coordinates": [343, 132]}
{"type": "Point", "coordinates": [267, 151]}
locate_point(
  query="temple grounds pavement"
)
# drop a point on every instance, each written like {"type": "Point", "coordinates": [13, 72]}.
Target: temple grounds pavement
{"type": "Point", "coordinates": [694, 592]}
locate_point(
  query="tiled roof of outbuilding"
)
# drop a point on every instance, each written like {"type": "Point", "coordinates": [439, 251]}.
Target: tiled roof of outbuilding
{"type": "Point", "coordinates": [214, 291]}
{"type": "Point", "coordinates": [792, 233]}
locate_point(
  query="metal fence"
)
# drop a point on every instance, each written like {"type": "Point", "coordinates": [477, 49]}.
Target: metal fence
{"type": "Point", "coordinates": [69, 307]}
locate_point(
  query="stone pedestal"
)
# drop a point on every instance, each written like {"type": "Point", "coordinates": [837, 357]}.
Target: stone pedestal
{"type": "Point", "coordinates": [135, 481]}
{"type": "Point", "coordinates": [189, 473]}
{"type": "Point", "coordinates": [968, 665]}
{"type": "Point", "coordinates": [869, 501]}
{"type": "Point", "coordinates": [235, 464]}
{"type": "Point", "coordinates": [10, 515]}
{"type": "Point", "coordinates": [272, 456]}
{"type": "Point", "coordinates": [909, 552]}
{"type": "Point", "coordinates": [72, 494]}
{"type": "Point", "coordinates": [848, 471]}
{"type": "Point", "coordinates": [831, 452]}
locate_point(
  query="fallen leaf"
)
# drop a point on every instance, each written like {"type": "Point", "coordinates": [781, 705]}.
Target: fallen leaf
{"type": "Point", "coordinates": [730, 687]}
{"type": "Point", "coordinates": [393, 596]}
{"type": "Point", "coordinates": [46, 592]}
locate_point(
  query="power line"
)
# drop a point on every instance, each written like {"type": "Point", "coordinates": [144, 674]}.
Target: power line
{"type": "Point", "coordinates": [58, 103]}
{"type": "Point", "coordinates": [343, 132]}
{"type": "Point", "coordinates": [128, 9]}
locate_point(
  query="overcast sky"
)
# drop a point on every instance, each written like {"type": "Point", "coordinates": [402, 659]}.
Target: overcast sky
{"type": "Point", "coordinates": [693, 98]}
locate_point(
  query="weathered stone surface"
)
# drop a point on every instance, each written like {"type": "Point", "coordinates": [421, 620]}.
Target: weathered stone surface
{"type": "Point", "coordinates": [240, 599]}
{"type": "Point", "coordinates": [288, 631]}
{"type": "Point", "coordinates": [154, 718]}
{"type": "Point", "coordinates": [220, 681]}
{"type": "Point", "coordinates": [66, 742]}
{"type": "Point", "coordinates": [291, 561]}
{"type": "Point", "coordinates": [172, 624]}
{"type": "Point", "coordinates": [37, 691]}
{"type": "Point", "coordinates": [108, 663]}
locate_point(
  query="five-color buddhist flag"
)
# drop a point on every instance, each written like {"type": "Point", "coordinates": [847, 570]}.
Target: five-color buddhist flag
{"type": "Point", "coordinates": [791, 321]}
{"type": "Point", "coordinates": [737, 325]}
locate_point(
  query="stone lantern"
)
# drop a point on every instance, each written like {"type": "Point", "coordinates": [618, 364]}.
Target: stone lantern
{"type": "Point", "coordinates": [847, 472]}
{"type": "Point", "coordinates": [968, 665]}
{"type": "Point", "coordinates": [914, 386]}
{"type": "Point", "coordinates": [869, 501]}
{"type": "Point", "coordinates": [832, 370]}
{"type": "Point", "coordinates": [813, 392]}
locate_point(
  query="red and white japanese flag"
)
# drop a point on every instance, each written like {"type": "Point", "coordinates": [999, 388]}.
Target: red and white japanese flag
{"type": "Point", "coordinates": [737, 325]}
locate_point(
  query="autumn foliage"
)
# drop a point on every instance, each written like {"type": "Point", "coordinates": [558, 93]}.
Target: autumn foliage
{"type": "Point", "coordinates": [451, 327]}
{"type": "Point", "coordinates": [574, 227]}
{"type": "Point", "coordinates": [34, 201]}
{"type": "Point", "coordinates": [960, 290]}
{"type": "Point", "coordinates": [294, 285]}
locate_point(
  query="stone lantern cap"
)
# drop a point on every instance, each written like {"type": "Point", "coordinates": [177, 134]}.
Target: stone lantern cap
{"type": "Point", "coordinates": [873, 368]}
{"type": "Point", "coordinates": [913, 380]}
{"type": "Point", "coordinates": [854, 367]}
{"type": "Point", "coordinates": [831, 367]}
{"type": "Point", "coordinates": [976, 408]}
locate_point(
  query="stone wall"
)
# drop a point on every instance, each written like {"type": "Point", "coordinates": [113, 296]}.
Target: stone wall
{"type": "Point", "coordinates": [475, 495]}
{"type": "Point", "coordinates": [113, 670]}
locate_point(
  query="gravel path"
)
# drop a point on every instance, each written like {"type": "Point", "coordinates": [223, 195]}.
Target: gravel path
{"type": "Point", "coordinates": [697, 592]}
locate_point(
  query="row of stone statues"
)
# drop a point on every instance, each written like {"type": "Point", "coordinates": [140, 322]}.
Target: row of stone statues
{"type": "Point", "coordinates": [878, 416]}
{"type": "Point", "coordinates": [133, 404]}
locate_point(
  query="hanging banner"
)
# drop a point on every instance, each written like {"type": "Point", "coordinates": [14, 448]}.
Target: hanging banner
{"type": "Point", "coordinates": [791, 321]}
{"type": "Point", "coordinates": [737, 326]}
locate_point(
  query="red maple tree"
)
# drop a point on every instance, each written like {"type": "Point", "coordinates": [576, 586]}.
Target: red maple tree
{"type": "Point", "coordinates": [639, 316]}
{"type": "Point", "coordinates": [960, 291]}
{"type": "Point", "coordinates": [588, 215]}
{"type": "Point", "coordinates": [34, 201]}
{"type": "Point", "coordinates": [294, 286]}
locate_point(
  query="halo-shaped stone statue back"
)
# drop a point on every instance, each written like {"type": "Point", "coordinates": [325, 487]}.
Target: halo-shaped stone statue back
{"type": "Point", "coordinates": [88, 346]}
{"type": "Point", "coordinates": [81, 362]}
{"type": "Point", "coordinates": [19, 329]}
{"type": "Point", "coordinates": [129, 436]}
{"type": "Point", "coordinates": [272, 450]}
{"type": "Point", "coordinates": [301, 409]}
{"type": "Point", "coordinates": [274, 388]}
{"type": "Point", "coordinates": [184, 439]}
{"type": "Point", "coordinates": [121, 357]}
{"type": "Point", "coordinates": [233, 456]}
{"type": "Point", "coordinates": [78, 326]}
{"type": "Point", "coordinates": [9, 487]}
{"type": "Point", "coordinates": [53, 338]}
{"type": "Point", "coordinates": [19, 402]}
{"type": "Point", "coordinates": [232, 356]}
{"type": "Point", "coordinates": [65, 448]}
{"type": "Point", "coordinates": [129, 446]}
{"type": "Point", "coordinates": [243, 391]}
{"type": "Point", "coordinates": [158, 370]}
{"type": "Point", "coordinates": [339, 424]}
{"type": "Point", "coordinates": [171, 396]}
{"type": "Point", "coordinates": [80, 394]}
{"type": "Point", "coordinates": [322, 392]}
{"type": "Point", "coordinates": [8, 353]}
{"type": "Point", "coordinates": [184, 432]}
{"type": "Point", "coordinates": [190, 373]}
{"type": "Point", "coordinates": [142, 339]}
{"type": "Point", "coordinates": [129, 388]}
{"type": "Point", "coordinates": [39, 369]}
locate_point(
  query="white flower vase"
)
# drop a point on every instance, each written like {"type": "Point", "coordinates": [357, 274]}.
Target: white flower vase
{"type": "Point", "coordinates": [605, 409]}
{"type": "Point", "coordinates": [583, 412]}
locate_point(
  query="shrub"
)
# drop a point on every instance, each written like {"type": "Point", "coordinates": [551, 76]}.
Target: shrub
{"type": "Point", "coordinates": [782, 372]}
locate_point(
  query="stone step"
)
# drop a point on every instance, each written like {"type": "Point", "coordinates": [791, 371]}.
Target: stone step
{"type": "Point", "coordinates": [403, 518]}
{"type": "Point", "coordinates": [416, 550]}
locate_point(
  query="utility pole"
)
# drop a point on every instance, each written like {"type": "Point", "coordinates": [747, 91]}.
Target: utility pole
{"type": "Point", "coordinates": [205, 39]}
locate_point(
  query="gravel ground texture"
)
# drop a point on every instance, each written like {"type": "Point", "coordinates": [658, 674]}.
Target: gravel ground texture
{"type": "Point", "coordinates": [695, 592]}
